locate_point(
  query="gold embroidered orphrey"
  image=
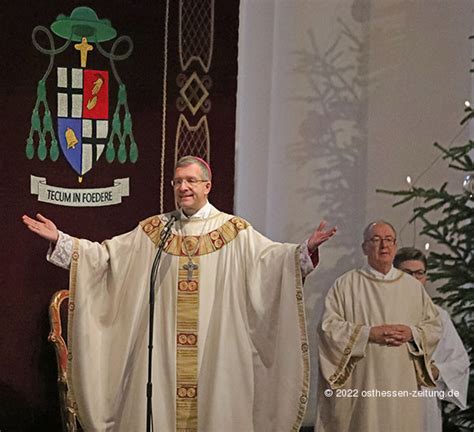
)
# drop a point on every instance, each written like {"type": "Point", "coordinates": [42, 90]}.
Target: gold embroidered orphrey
{"type": "Point", "coordinates": [187, 317]}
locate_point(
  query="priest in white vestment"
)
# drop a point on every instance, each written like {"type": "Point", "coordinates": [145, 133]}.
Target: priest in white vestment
{"type": "Point", "coordinates": [376, 342]}
{"type": "Point", "coordinates": [230, 346]}
{"type": "Point", "coordinates": [450, 359]}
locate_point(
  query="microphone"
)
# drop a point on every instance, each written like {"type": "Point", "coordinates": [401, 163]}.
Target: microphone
{"type": "Point", "coordinates": [174, 217]}
{"type": "Point", "coordinates": [165, 234]}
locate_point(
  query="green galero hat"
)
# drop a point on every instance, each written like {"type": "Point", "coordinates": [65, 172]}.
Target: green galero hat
{"type": "Point", "coordinates": [83, 22]}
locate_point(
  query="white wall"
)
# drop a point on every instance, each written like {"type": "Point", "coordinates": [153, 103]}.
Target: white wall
{"type": "Point", "coordinates": [337, 98]}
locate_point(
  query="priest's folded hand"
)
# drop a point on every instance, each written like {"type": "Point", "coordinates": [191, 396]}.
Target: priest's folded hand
{"type": "Point", "coordinates": [390, 334]}
{"type": "Point", "coordinates": [380, 335]}
{"type": "Point", "coordinates": [401, 333]}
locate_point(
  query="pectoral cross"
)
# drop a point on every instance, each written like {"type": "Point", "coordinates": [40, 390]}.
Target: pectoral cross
{"type": "Point", "coordinates": [190, 266]}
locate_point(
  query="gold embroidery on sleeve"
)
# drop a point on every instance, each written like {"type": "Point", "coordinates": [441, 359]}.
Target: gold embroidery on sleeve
{"type": "Point", "coordinates": [347, 363]}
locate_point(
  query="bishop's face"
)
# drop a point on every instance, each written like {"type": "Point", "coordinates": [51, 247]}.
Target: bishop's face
{"type": "Point", "coordinates": [380, 247]}
{"type": "Point", "coordinates": [190, 190]}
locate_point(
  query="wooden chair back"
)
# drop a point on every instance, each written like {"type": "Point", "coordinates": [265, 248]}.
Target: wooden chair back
{"type": "Point", "coordinates": [68, 410]}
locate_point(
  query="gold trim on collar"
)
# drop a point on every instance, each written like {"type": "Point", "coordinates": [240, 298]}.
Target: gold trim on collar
{"type": "Point", "coordinates": [211, 241]}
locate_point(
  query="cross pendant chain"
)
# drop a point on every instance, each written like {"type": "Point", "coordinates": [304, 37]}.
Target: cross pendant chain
{"type": "Point", "coordinates": [190, 266]}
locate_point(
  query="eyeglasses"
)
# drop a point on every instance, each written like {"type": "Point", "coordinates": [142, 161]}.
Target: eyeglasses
{"type": "Point", "coordinates": [376, 240]}
{"type": "Point", "coordinates": [191, 181]}
{"type": "Point", "coordinates": [415, 273]}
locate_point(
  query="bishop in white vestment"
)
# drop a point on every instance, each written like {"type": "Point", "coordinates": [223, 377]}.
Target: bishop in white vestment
{"type": "Point", "coordinates": [230, 346]}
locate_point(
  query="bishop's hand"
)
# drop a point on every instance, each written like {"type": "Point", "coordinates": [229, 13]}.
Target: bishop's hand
{"type": "Point", "coordinates": [320, 235]}
{"type": "Point", "coordinates": [42, 226]}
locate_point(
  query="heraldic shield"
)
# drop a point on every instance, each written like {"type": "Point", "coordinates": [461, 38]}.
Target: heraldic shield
{"type": "Point", "coordinates": [83, 115]}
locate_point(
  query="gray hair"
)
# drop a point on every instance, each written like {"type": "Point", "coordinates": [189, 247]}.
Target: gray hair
{"type": "Point", "coordinates": [203, 165]}
{"type": "Point", "coordinates": [369, 227]}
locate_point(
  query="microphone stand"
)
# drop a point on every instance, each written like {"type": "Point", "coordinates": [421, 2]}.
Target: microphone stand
{"type": "Point", "coordinates": [154, 269]}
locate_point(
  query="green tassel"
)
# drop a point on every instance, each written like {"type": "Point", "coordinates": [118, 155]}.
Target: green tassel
{"type": "Point", "coordinates": [122, 153]}
{"type": "Point", "coordinates": [122, 94]}
{"type": "Point", "coordinates": [42, 148]}
{"type": "Point", "coordinates": [41, 91]}
{"type": "Point", "coordinates": [127, 124]}
{"type": "Point", "coordinates": [30, 150]}
{"type": "Point", "coordinates": [110, 152]}
{"type": "Point", "coordinates": [133, 151]}
{"type": "Point", "coordinates": [35, 121]}
{"type": "Point", "coordinates": [54, 150]}
{"type": "Point", "coordinates": [116, 124]}
{"type": "Point", "coordinates": [47, 122]}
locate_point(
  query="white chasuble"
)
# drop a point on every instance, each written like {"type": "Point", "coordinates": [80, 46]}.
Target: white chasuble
{"type": "Point", "coordinates": [230, 348]}
{"type": "Point", "coordinates": [363, 386]}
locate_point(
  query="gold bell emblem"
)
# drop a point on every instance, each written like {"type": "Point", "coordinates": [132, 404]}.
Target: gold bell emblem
{"type": "Point", "coordinates": [71, 138]}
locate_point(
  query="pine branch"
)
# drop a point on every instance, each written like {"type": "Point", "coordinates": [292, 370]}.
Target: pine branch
{"type": "Point", "coordinates": [459, 154]}
{"type": "Point", "coordinates": [470, 112]}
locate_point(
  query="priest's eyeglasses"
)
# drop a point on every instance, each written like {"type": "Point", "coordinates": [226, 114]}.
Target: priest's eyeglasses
{"type": "Point", "coordinates": [191, 181]}
{"type": "Point", "coordinates": [376, 240]}
{"type": "Point", "coordinates": [415, 273]}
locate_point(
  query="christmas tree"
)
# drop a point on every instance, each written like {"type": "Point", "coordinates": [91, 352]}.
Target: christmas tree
{"type": "Point", "coordinates": [448, 219]}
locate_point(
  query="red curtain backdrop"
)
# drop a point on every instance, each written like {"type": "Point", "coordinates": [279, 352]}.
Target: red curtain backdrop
{"type": "Point", "coordinates": [28, 392]}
